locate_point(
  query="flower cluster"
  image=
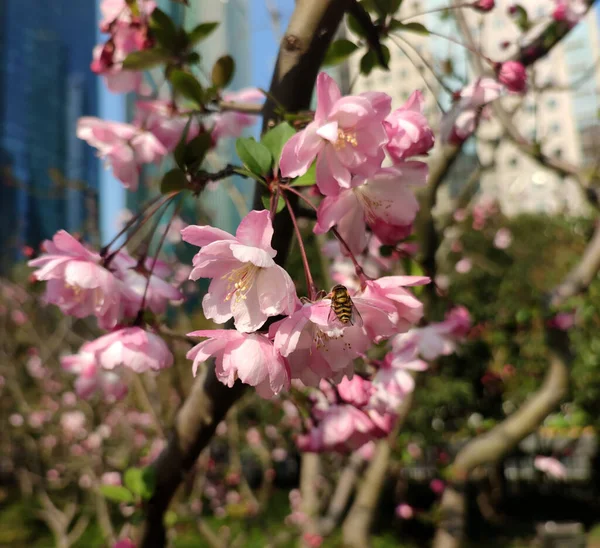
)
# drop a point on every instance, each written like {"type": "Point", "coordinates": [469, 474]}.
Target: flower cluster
{"type": "Point", "coordinates": [128, 32]}
{"type": "Point", "coordinates": [349, 139]}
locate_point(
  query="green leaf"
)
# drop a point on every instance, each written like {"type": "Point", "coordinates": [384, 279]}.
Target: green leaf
{"type": "Point", "coordinates": [170, 518]}
{"type": "Point", "coordinates": [339, 51]}
{"type": "Point", "coordinates": [163, 28]}
{"type": "Point", "coordinates": [116, 493]}
{"type": "Point", "coordinates": [355, 26]}
{"type": "Point", "coordinates": [140, 481]}
{"type": "Point", "coordinates": [145, 59]}
{"type": "Point", "coordinates": [275, 138]}
{"type": "Point", "coordinates": [520, 17]}
{"type": "Point", "coordinates": [244, 172]}
{"type": "Point", "coordinates": [222, 71]}
{"type": "Point", "coordinates": [387, 7]}
{"type": "Point", "coordinates": [309, 178]}
{"type": "Point", "coordinates": [200, 32]}
{"type": "Point", "coordinates": [179, 152]}
{"type": "Point", "coordinates": [195, 151]}
{"type": "Point", "coordinates": [369, 60]}
{"type": "Point", "coordinates": [185, 84]}
{"type": "Point", "coordinates": [173, 181]}
{"type": "Point", "coordinates": [266, 200]}
{"type": "Point", "coordinates": [256, 157]}
{"type": "Point", "coordinates": [417, 28]}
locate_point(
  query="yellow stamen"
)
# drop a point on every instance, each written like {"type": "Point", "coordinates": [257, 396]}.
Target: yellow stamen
{"type": "Point", "coordinates": [240, 281]}
{"type": "Point", "coordinates": [344, 138]}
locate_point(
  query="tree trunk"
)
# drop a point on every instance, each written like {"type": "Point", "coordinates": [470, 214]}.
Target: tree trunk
{"type": "Point", "coordinates": [311, 28]}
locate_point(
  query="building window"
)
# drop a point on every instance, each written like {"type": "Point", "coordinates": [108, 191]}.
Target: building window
{"type": "Point", "coordinates": [558, 153]}
{"type": "Point", "coordinates": [555, 127]}
{"type": "Point", "coordinates": [513, 161]}
{"type": "Point", "coordinates": [551, 103]}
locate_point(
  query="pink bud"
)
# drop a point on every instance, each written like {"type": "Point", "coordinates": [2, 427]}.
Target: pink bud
{"type": "Point", "coordinates": [405, 511]}
{"type": "Point", "coordinates": [437, 486]}
{"type": "Point", "coordinates": [483, 5]}
{"type": "Point", "coordinates": [513, 75]}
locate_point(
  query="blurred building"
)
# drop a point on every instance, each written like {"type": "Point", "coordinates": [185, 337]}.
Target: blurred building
{"type": "Point", "coordinates": [48, 179]}
{"type": "Point", "coordinates": [561, 113]}
{"type": "Point", "coordinates": [227, 202]}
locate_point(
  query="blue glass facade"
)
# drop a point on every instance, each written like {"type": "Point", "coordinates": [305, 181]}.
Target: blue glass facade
{"type": "Point", "coordinates": [45, 86]}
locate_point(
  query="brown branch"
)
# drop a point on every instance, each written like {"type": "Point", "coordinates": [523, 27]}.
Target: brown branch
{"type": "Point", "coordinates": [357, 525]}
{"type": "Point", "coordinates": [495, 444]}
{"type": "Point", "coordinates": [341, 495]}
{"type": "Point", "coordinates": [309, 479]}
{"type": "Point", "coordinates": [311, 28]}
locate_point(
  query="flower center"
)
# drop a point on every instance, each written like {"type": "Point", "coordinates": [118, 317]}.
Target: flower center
{"type": "Point", "coordinates": [344, 138]}
{"type": "Point", "coordinates": [240, 281]}
{"type": "Point", "coordinates": [370, 205]}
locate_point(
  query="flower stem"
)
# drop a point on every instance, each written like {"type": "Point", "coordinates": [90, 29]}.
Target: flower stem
{"type": "Point", "coordinates": [358, 269]}
{"type": "Point", "coordinates": [437, 10]}
{"type": "Point", "coordinates": [310, 284]}
{"type": "Point", "coordinates": [155, 259]}
{"type": "Point", "coordinates": [128, 225]}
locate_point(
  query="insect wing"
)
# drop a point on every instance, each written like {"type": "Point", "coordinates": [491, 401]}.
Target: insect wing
{"type": "Point", "coordinates": [356, 318]}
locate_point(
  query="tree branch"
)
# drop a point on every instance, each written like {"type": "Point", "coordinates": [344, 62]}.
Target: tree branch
{"type": "Point", "coordinates": [502, 439]}
{"type": "Point", "coordinates": [311, 28]}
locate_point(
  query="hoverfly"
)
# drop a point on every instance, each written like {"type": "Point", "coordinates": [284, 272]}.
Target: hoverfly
{"type": "Point", "coordinates": [343, 312]}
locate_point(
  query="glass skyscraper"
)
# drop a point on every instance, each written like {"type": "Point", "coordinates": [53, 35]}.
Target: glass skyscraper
{"type": "Point", "coordinates": [48, 179]}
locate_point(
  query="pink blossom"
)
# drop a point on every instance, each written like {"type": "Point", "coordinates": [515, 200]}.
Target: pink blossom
{"type": "Point", "coordinates": [437, 339]}
{"type": "Point", "coordinates": [464, 266]}
{"type": "Point", "coordinates": [133, 347]}
{"type": "Point", "coordinates": [314, 349]}
{"type": "Point", "coordinates": [161, 118]}
{"type": "Point", "coordinates": [346, 137]}
{"type": "Point", "coordinates": [405, 511]}
{"type": "Point", "coordinates": [111, 478]}
{"type": "Point", "coordinates": [484, 5]}
{"type": "Point", "coordinates": [279, 454]}
{"type": "Point", "coordinates": [124, 543]}
{"type": "Point", "coordinates": [393, 381]}
{"type": "Point", "coordinates": [551, 466]}
{"type": "Point", "coordinates": [388, 295]}
{"type": "Point", "coordinates": [90, 378]}
{"type": "Point", "coordinates": [159, 292]}
{"type": "Point", "coordinates": [16, 420]}
{"type": "Point", "coordinates": [408, 131]}
{"type": "Point", "coordinates": [246, 283]}
{"type": "Point", "coordinates": [437, 486]}
{"type": "Point", "coordinates": [124, 147]}
{"type": "Point", "coordinates": [503, 238]}
{"type": "Point", "coordinates": [385, 196]}
{"type": "Point", "coordinates": [249, 357]}
{"type": "Point", "coordinates": [563, 321]}
{"type": "Point", "coordinates": [127, 34]}
{"type": "Point", "coordinates": [513, 75]}
{"type": "Point", "coordinates": [356, 391]}
{"type": "Point", "coordinates": [73, 422]}
{"type": "Point", "coordinates": [367, 451]}
{"type": "Point", "coordinates": [461, 121]}
{"type": "Point", "coordinates": [231, 123]}
{"type": "Point", "coordinates": [253, 436]}
{"type": "Point", "coordinates": [569, 11]}
{"type": "Point", "coordinates": [342, 428]}
{"type": "Point", "coordinates": [77, 283]}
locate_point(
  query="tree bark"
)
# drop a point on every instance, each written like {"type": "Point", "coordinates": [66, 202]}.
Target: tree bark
{"type": "Point", "coordinates": [311, 28]}
{"type": "Point", "coordinates": [357, 525]}
{"type": "Point", "coordinates": [495, 444]}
